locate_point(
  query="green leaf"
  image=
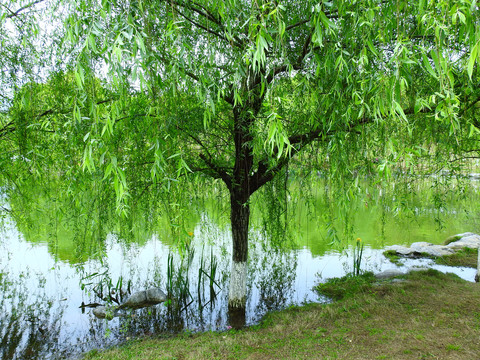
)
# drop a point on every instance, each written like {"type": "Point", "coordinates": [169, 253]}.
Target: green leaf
{"type": "Point", "coordinates": [436, 61]}
{"type": "Point", "coordinates": [471, 60]}
{"type": "Point", "coordinates": [400, 111]}
{"type": "Point", "coordinates": [428, 66]}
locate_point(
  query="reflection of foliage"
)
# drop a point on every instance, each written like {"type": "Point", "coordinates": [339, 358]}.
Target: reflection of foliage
{"type": "Point", "coordinates": [274, 214]}
{"type": "Point", "coordinates": [276, 276]}
{"type": "Point", "coordinates": [29, 322]}
{"type": "Point", "coordinates": [73, 223]}
{"type": "Point", "coordinates": [101, 284]}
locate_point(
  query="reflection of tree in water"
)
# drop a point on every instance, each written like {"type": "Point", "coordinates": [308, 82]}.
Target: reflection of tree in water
{"type": "Point", "coordinates": [149, 321]}
{"type": "Point", "coordinates": [275, 279]}
{"type": "Point", "coordinates": [29, 322]}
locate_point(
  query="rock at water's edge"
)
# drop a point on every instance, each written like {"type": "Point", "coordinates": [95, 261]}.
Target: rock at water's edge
{"type": "Point", "coordinates": [144, 298]}
{"type": "Point", "coordinates": [467, 240]}
{"type": "Point", "coordinates": [102, 312]}
{"type": "Point", "coordinates": [390, 273]}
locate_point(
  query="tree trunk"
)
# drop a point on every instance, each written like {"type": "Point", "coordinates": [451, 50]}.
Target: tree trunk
{"type": "Point", "coordinates": [240, 215]}
{"type": "Point", "coordinates": [240, 191]}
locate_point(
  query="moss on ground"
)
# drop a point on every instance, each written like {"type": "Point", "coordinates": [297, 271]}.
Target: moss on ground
{"type": "Point", "coordinates": [393, 257]}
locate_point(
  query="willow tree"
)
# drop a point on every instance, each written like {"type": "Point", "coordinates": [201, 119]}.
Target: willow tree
{"type": "Point", "coordinates": [235, 89]}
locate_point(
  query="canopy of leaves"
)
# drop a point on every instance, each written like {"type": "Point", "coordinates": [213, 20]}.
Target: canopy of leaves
{"type": "Point", "coordinates": [212, 87]}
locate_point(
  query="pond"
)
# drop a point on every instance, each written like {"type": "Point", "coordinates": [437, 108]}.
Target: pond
{"type": "Point", "coordinates": [50, 265]}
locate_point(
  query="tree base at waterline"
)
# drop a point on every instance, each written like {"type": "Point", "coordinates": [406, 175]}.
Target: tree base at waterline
{"type": "Point", "coordinates": [237, 295]}
{"type": "Point", "coordinates": [237, 317]}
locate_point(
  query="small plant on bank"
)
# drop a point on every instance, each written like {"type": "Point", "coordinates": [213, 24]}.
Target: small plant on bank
{"type": "Point", "coordinates": [357, 257]}
{"type": "Point", "coordinates": [347, 286]}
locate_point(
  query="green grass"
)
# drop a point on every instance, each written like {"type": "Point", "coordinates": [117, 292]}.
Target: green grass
{"type": "Point", "coordinates": [429, 316]}
{"type": "Point", "coordinates": [465, 257]}
{"type": "Point", "coordinates": [339, 288]}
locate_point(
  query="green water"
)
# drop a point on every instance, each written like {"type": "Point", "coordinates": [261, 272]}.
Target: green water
{"type": "Point", "coordinates": [62, 241]}
{"type": "Point", "coordinates": [307, 213]}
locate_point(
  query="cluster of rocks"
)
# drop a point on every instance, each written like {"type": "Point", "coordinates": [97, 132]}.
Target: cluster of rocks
{"type": "Point", "coordinates": [454, 243]}
{"type": "Point", "coordinates": [137, 300]}
{"type": "Point", "coordinates": [425, 249]}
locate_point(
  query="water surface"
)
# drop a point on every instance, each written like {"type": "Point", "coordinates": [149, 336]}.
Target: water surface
{"type": "Point", "coordinates": [47, 269]}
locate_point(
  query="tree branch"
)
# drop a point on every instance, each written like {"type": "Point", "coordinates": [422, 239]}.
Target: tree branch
{"type": "Point", "coordinates": [470, 105]}
{"type": "Point", "coordinates": [185, 71]}
{"type": "Point", "coordinates": [8, 128]}
{"type": "Point", "coordinates": [218, 171]}
{"type": "Point", "coordinates": [203, 27]}
{"type": "Point", "coordinates": [300, 23]}
{"type": "Point", "coordinates": [16, 13]}
{"type": "Point", "coordinates": [264, 174]}
{"type": "Point", "coordinates": [206, 13]}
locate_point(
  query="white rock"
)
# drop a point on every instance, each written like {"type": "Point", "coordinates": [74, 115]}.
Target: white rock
{"type": "Point", "coordinates": [387, 274]}
{"type": "Point", "coordinates": [469, 240]}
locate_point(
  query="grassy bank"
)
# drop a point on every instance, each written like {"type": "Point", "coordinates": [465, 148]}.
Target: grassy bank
{"type": "Point", "coordinates": [428, 316]}
{"type": "Point", "coordinates": [466, 257]}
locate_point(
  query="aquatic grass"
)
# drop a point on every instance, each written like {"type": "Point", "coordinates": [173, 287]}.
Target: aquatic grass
{"type": "Point", "coordinates": [178, 281]}
{"type": "Point", "coordinates": [211, 275]}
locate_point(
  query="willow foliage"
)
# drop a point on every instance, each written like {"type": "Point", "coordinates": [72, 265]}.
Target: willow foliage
{"type": "Point", "coordinates": [236, 90]}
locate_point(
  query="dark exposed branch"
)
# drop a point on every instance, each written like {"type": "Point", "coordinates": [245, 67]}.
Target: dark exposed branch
{"type": "Point", "coordinates": [23, 8]}
{"type": "Point", "coordinates": [185, 71]}
{"type": "Point", "coordinates": [306, 45]}
{"type": "Point", "coordinates": [213, 32]}
{"type": "Point", "coordinates": [209, 16]}
{"type": "Point", "coordinates": [206, 13]}
{"type": "Point", "coordinates": [5, 209]}
{"type": "Point", "coordinates": [298, 141]}
{"type": "Point", "coordinates": [8, 128]}
{"type": "Point", "coordinates": [218, 171]}
{"type": "Point", "coordinates": [45, 113]}
{"type": "Point", "coordinates": [470, 105]}
{"type": "Point", "coordinates": [464, 158]}
{"type": "Point", "coordinates": [300, 23]}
